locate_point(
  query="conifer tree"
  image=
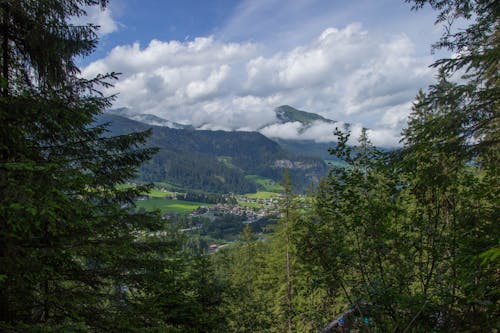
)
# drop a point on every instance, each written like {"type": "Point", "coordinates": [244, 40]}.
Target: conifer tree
{"type": "Point", "coordinates": [477, 50]}
{"type": "Point", "coordinates": [74, 256]}
{"type": "Point", "coordinates": [261, 278]}
{"type": "Point", "coordinates": [417, 231]}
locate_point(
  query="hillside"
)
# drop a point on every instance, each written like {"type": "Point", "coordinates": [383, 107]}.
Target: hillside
{"type": "Point", "coordinates": [284, 114]}
{"type": "Point", "coordinates": [216, 161]}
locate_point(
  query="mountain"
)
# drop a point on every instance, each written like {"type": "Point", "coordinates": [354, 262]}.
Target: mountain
{"type": "Point", "coordinates": [216, 161]}
{"type": "Point", "coordinates": [146, 118]}
{"type": "Point", "coordinates": [286, 114]}
{"type": "Point", "coordinates": [310, 148]}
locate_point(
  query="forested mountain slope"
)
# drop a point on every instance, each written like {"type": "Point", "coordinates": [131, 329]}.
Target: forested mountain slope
{"type": "Point", "coordinates": [216, 160]}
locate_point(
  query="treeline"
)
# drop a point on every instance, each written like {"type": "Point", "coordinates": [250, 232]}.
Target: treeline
{"type": "Point", "coordinates": [220, 229]}
{"type": "Point", "coordinates": [228, 226]}
{"type": "Point", "coordinates": [212, 198]}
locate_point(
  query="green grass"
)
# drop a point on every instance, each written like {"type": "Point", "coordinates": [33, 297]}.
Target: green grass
{"type": "Point", "coordinates": [262, 195]}
{"type": "Point", "coordinates": [265, 184]}
{"type": "Point", "coordinates": [169, 186]}
{"type": "Point", "coordinates": [174, 206]}
{"type": "Point", "coordinates": [250, 204]}
{"type": "Point", "coordinates": [155, 193]}
{"type": "Point", "coordinates": [123, 186]}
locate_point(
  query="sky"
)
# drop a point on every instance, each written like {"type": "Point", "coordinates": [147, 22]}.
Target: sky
{"type": "Point", "coordinates": [226, 64]}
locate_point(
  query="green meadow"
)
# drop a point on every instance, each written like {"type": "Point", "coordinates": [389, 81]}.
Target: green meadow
{"type": "Point", "coordinates": [168, 205]}
{"type": "Point", "coordinates": [250, 204]}
{"type": "Point", "coordinates": [262, 195]}
{"type": "Point", "coordinates": [265, 184]}
{"type": "Point", "coordinates": [155, 193]}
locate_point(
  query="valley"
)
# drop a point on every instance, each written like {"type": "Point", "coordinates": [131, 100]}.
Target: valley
{"type": "Point", "coordinates": [213, 183]}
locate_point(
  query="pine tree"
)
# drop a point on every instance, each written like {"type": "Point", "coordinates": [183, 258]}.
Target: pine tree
{"type": "Point", "coordinates": [284, 256]}
{"type": "Point", "coordinates": [74, 256]}
{"type": "Point", "coordinates": [475, 98]}
{"type": "Point", "coordinates": [293, 299]}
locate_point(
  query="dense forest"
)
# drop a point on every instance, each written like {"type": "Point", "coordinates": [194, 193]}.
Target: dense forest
{"type": "Point", "coordinates": [400, 241]}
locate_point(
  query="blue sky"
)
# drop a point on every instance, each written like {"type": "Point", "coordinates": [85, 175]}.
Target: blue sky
{"type": "Point", "coordinates": [225, 64]}
{"type": "Point", "coordinates": [143, 20]}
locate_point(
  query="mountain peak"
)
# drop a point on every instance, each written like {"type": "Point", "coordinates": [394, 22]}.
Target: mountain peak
{"type": "Point", "coordinates": [287, 113]}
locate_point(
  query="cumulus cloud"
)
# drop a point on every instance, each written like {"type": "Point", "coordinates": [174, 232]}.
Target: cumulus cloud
{"type": "Point", "coordinates": [344, 74]}
{"type": "Point", "coordinates": [97, 16]}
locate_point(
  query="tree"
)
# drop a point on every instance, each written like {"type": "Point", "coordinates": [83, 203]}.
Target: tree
{"type": "Point", "coordinates": [284, 255]}
{"type": "Point", "coordinates": [353, 240]}
{"type": "Point", "coordinates": [462, 119]}
{"type": "Point", "coordinates": [400, 235]}
{"type": "Point", "coordinates": [74, 254]}
{"type": "Point", "coordinates": [296, 304]}
{"type": "Point", "coordinates": [452, 212]}
{"type": "Point", "coordinates": [477, 55]}
{"type": "Point", "coordinates": [250, 284]}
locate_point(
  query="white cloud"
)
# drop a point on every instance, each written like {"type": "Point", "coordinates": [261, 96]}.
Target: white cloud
{"type": "Point", "coordinates": [202, 52]}
{"type": "Point", "coordinates": [320, 131]}
{"type": "Point", "coordinates": [282, 131]}
{"type": "Point", "coordinates": [344, 74]}
{"type": "Point", "coordinates": [204, 88]}
{"type": "Point", "coordinates": [384, 137]}
{"type": "Point", "coordinates": [102, 18]}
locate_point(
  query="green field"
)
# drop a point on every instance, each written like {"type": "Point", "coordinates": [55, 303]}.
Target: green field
{"type": "Point", "coordinates": [155, 193]}
{"type": "Point", "coordinates": [265, 184]}
{"type": "Point", "coordinates": [250, 204]}
{"type": "Point", "coordinates": [262, 195]}
{"type": "Point", "coordinates": [174, 206]}
{"type": "Point", "coordinates": [169, 186]}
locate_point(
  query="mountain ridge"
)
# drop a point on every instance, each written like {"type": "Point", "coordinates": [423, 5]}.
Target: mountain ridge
{"type": "Point", "coordinates": [201, 159]}
{"type": "Point", "coordinates": [284, 114]}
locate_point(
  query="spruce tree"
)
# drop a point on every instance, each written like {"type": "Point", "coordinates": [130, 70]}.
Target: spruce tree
{"type": "Point", "coordinates": [476, 50]}
{"type": "Point", "coordinates": [74, 255]}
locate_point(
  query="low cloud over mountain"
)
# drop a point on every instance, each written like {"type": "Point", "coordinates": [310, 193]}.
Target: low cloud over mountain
{"type": "Point", "coordinates": [344, 74]}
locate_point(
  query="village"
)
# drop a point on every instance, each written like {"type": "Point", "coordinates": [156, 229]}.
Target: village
{"type": "Point", "coordinates": [252, 209]}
